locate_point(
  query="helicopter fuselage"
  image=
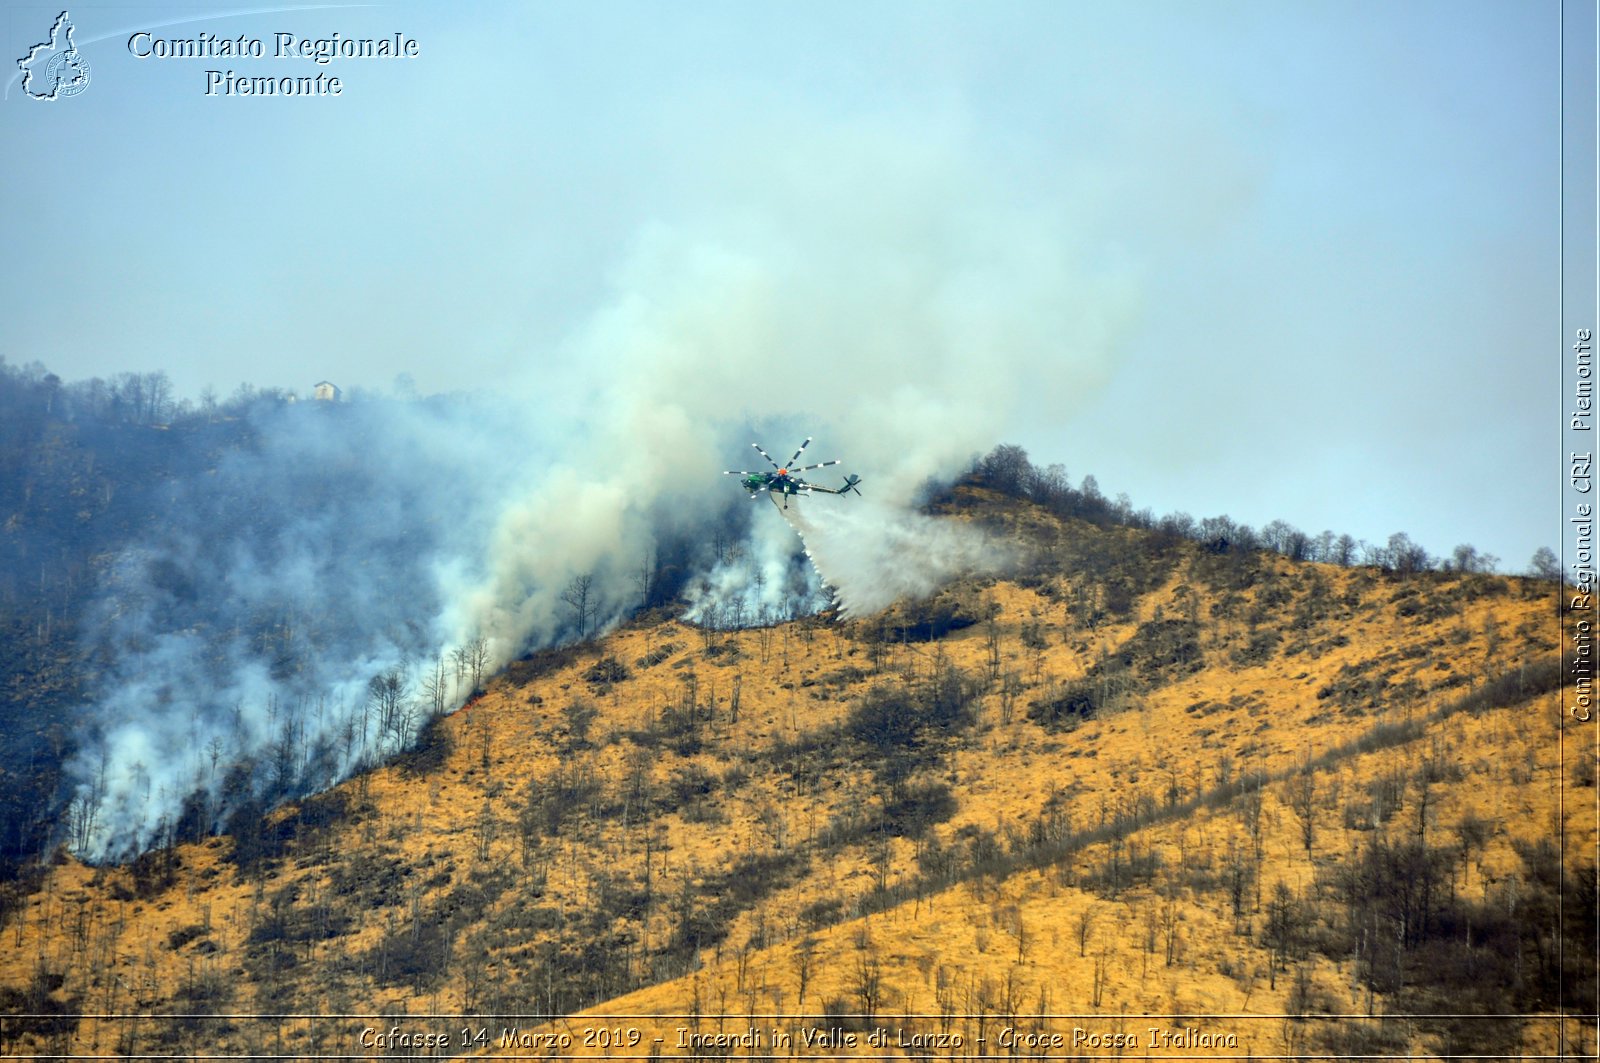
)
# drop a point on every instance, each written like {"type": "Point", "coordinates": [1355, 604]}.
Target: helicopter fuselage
{"type": "Point", "coordinates": [783, 483]}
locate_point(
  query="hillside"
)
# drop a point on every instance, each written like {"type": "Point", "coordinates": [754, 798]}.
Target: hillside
{"type": "Point", "coordinates": [1140, 784]}
{"type": "Point", "coordinates": [90, 472]}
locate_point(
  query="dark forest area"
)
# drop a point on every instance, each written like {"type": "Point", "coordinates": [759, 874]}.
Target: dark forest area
{"type": "Point", "coordinates": [84, 469]}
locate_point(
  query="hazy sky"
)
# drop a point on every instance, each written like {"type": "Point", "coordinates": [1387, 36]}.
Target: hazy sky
{"type": "Point", "coordinates": [1304, 255]}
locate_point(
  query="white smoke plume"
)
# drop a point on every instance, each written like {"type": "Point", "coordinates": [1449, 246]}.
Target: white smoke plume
{"type": "Point", "coordinates": [876, 554]}
{"type": "Point", "coordinates": [762, 580]}
{"type": "Point", "coordinates": [875, 285]}
{"type": "Point", "coordinates": [235, 646]}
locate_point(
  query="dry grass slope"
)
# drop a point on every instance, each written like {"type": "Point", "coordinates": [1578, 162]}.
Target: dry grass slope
{"type": "Point", "coordinates": [1139, 791]}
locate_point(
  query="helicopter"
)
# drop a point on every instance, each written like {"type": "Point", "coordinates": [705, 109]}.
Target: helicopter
{"type": "Point", "coordinates": [785, 481]}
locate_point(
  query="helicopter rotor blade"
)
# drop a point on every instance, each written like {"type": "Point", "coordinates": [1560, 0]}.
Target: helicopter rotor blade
{"type": "Point", "coordinates": [797, 453]}
{"type": "Point", "coordinates": [764, 454]}
{"type": "Point", "coordinates": [820, 465]}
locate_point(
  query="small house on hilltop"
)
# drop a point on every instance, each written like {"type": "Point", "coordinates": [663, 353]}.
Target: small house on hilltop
{"type": "Point", "coordinates": [325, 391]}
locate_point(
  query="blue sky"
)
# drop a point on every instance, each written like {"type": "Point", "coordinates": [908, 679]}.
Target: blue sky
{"type": "Point", "coordinates": [1268, 260]}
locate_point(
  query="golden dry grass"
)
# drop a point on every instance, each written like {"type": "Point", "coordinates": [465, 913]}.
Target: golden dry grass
{"type": "Point", "coordinates": [1008, 937]}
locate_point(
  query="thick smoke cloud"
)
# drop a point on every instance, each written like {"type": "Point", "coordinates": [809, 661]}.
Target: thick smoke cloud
{"type": "Point", "coordinates": [761, 580]}
{"type": "Point", "coordinates": [873, 286]}
{"type": "Point", "coordinates": [876, 554]}
{"type": "Point", "coordinates": [235, 645]}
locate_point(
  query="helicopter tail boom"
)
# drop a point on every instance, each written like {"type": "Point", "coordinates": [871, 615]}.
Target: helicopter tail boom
{"type": "Point", "coordinates": [848, 487]}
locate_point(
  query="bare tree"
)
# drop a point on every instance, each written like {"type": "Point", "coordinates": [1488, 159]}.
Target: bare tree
{"type": "Point", "coordinates": [1544, 564]}
{"type": "Point", "coordinates": [388, 695]}
{"type": "Point", "coordinates": [804, 954]}
{"type": "Point", "coordinates": [1302, 799]}
{"type": "Point", "coordinates": [1405, 556]}
{"type": "Point", "coordinates": [436, 687]}
{"type": "Point", "coordinates": [992, 630]}
{"type": "Point", "coordinates": [1282, 930]}
{"type": "Point", "coordinates": [1425, 803]}
{"type": "Point", "coordinates": [1467, 559]}
{"type": "Point", "coordinates": [1007, 469]}
{"type": "Point", "coordinates": [1085, 928]}
{"type": "Point", "coordinates": [1010, 688]}
{"type": "Point", "coordinates": [577, 596]}
{"type": "Point", "coordinates": [1170, 918]}
{"type": "Point", "coordinates": [1343, 552]}
{"type": "Point", "coordinates": [478, 658]}
{"type": "Point", "coordinates": [1238, 880]}
{"type": "Point", "coordinates": [868, 982]}
{"type": "Point", "coordinates": [644, 577]}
